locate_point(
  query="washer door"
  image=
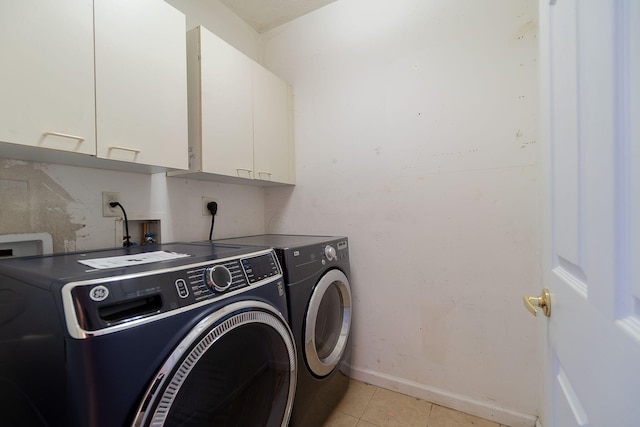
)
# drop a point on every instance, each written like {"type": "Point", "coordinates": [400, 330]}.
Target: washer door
{"type": "Point", "coordinates": [237, 367]}
{"type": "Point", "coordinates": [327, 323]}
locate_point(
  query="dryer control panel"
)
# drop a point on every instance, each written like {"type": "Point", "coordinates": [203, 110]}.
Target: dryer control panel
{"type": "Point", "coordinates": [100, 306]}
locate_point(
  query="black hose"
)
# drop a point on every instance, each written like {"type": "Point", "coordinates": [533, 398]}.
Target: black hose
{"type": "Point", "coordinates": [127, 242]}
{"type": "Point", "coordinates": [212, 207]}
{"type": "Point", "coordinates": [213, 217]}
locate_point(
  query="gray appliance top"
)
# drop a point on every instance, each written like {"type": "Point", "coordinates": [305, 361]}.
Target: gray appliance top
{"type": "Point", "coordinates": [280, 241]}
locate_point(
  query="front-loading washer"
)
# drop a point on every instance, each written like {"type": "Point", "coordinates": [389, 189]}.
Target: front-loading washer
{"type": "Point", "coordinates": [317, 271]}
{"type": "Point", "coordinates": [163, 335]}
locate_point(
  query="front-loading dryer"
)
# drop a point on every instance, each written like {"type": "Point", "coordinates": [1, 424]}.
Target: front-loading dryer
{"type": "Point", "coordinates": [317, 271]}
{"type": "Point", "coordinates": [163, 335]}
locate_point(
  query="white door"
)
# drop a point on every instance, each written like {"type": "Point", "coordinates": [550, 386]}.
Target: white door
{"type": "Point", "coordinates": [590, 52]}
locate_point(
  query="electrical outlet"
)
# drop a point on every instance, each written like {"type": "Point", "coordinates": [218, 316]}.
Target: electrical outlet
{"type": "Point", "coordinates": [205, 201]}
{"type": "Point", "coordinates": [107, 198]}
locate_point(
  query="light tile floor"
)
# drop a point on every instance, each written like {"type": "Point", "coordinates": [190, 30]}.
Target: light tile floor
{"type": "Point", "coordinates": [366, 405]}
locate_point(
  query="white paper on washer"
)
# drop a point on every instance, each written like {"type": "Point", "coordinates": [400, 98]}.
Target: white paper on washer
{"type": "Point", "coordinates": [134, 259]}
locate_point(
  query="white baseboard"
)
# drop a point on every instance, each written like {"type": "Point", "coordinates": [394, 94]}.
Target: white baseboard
{"type": "Point", "coordinates": [444, 398]}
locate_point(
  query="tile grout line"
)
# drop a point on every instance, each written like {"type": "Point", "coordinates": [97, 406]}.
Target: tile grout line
{"type": "Point", "coordinates": [359, 418]}
{"type": "Point", "coordinates": [370, 398]}
{"type": "Point", "coordinates": [367, 405]}
{"type": "Point", "coordinates": [430, 411]}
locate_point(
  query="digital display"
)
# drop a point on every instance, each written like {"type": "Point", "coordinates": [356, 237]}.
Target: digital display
{"type": "Point", "coordinates": [261, 267]}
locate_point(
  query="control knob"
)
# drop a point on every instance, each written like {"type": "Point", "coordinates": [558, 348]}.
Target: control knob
{"type": "Point", "coordinates": [330, 252]}
{"type": "Point", "coordinates": [218, 278]}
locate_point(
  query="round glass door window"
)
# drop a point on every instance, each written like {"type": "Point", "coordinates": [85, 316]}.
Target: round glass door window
{"type": "Point", "coordinates": [233, 371]}
{"type": "Point", "coordinates": [327, 323]}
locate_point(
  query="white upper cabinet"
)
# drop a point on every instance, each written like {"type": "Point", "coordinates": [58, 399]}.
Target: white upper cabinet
{"type": "Point", "coordinates": [240, 116]}
{"type": "Point", "coordinates": [46, 78]}
{"type": "Point", "coordinates": [226, 114]}
{"type": "Point", "coordinates": [115, 98]}
{"type": "Point", "coordinates": [141, 89]}
{"type": "Point", "coordinates": [272, 127]}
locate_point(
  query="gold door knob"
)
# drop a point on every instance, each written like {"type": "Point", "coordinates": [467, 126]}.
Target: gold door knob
{"type": "Point", "coordinates": [543, 301]}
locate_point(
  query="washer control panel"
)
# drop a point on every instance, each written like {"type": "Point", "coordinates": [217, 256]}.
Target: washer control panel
{"type": "Point", "coordinates": [260, 268]}
{"type": "Point", "coordinates": [330, 252]}
{"type": "Point", "coordinates": [218, 278]}
{"type": "Point", "coordinates": [335, 251]}
{"type": "Point", "coordinates": [210, 280]}
{"type": "Point", "coordinates": [111, 303]}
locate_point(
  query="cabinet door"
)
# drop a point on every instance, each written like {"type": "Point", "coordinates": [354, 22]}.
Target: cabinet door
{"type": "Point", "coordinates": [46, 78]}
{"type": "Point", "coordinates": [227, 117]}
{"type": "Point", "coordinates": [272, 127]}
{"type": "Point", "coordinates": [141, 82]}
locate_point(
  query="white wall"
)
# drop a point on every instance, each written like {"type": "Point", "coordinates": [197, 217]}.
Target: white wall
{"type": "Point", "coordinates": [218, 18]}
{"type": "Point", "coordinates": [415, 129]}
{"type": "Point", "coordinates": [66, 202]}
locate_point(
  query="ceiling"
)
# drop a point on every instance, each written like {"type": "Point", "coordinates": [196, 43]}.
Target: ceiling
{"type": "Point", "coordinates": [264, 15]}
